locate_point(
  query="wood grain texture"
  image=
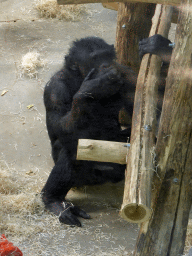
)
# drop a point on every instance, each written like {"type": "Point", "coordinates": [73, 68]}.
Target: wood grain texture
{"type": "Point", "coordinates": [166, 2]}
{"type": "Point", "coordinates": [102, 151]}
{"type": "Point", "coordinates": [140, 167]}
{"type": "Point", "coordinates": [173, 191]}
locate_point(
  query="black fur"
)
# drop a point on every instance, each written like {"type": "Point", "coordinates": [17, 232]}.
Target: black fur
{"type": "Point", "coordinates": [83, 100]}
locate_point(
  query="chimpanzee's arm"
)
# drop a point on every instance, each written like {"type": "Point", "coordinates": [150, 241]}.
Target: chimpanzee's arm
{"type": "Point", "coordinates": [58, 101]}
{"type": "Point", "coordinates": [157, 45]}
{"type": "Point", "coordinates": [100, 84]}
{"type": "Point", "coordinates": [65, 111]}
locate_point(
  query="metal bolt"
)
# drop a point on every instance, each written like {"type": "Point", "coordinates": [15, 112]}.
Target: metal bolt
{"type": "Point", "coordinates": [124, 26]}
{"type": "Point", "coordinates": [172, 45]}
{"type": "Point", "coordinates": [147, 127]}
{"type": "Point", "coordinates": [128, 145]}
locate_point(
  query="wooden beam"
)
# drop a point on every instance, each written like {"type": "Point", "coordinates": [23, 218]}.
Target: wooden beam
{"type": "Point", "coordinates": [175, 14]}
{"type": "Point", "coordinates": [140, 167]}
{"type": "Point", "coordinates": [112, 6]}
{"type": "Point", "coordinates": [134, 21]}
{"type": "Point", "coordinates": [102, 151]}
{"type": "Point", "coordinates": [167, 230]}
{"type": "Point", "coordinates": [115, 5]}
{"type": "Point", "coordinates": [166, 2]}
{"type": "Point", "coordinates": [152, 83]}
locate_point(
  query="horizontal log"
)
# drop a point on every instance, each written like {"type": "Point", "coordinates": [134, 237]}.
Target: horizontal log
{"type": "Point", "coordinates": [114, 6]}
{"type": "Point", "coordinates": [111, 6]}
{"type": "Point", "coordinates": [166, 2]}
{"type": "Point", "coordinates": [102, 151]}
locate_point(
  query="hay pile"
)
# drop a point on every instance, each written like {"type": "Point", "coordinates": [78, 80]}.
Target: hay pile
{"type": "Point", "coordinates": [29, 226]}
{"type": "Point", "coordinates": [36, 232]}
{"type": "Point", "coordinates": [50, 9]}
{"type": "Point", "coordinates": [30, 64]}
{"type": "Point", "coordinates": [16, 205]}
{"type": "Point", "coordinates": [22, 213]}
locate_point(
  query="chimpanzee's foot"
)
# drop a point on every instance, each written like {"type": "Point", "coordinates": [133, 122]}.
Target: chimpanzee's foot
{"type": "Point", "coordinates": [67, 212]}
{"type": "Point", "coordinates": [70, 214]}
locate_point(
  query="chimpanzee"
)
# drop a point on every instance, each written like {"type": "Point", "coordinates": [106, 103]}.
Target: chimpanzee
{"type": "Point", "coordinates": [83, 100]}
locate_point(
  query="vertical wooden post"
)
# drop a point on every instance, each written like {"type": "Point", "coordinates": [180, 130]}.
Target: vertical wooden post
{"type": "Point", "coordinates": [140, 169]}
{"type": "Point", "coordinates": [167, 230]}
{"type": "Point", "coordinates": [133, 24]}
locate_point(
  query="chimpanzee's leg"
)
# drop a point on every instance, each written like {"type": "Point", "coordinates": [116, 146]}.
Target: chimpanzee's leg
{"type": "Point", "coordinates": [58, 184]}
{"type": "Point", "coordinates": [59, 181]}
{"type": "Point", "coordinates": [56, 148]}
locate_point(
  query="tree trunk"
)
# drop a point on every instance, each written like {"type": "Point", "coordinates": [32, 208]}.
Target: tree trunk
{"type": "Point", "coordinates": [167, 230]}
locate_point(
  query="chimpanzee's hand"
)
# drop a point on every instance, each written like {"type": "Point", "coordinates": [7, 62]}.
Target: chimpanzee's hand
{"type": "Point", "coordinates": [70, 213]}
{"type": "Point", "coordinates": [105, 72]}
{"type": "Point", "coordinates": [100, 83]}
{"type": "Point", "coordinates": [156, 44]}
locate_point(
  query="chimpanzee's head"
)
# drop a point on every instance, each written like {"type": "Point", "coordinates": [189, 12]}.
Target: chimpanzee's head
{"type": "Point", "coordinates": [88, 53]}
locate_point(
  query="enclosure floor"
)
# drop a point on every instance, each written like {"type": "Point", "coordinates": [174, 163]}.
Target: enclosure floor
{"type": "Point", "coordinates": [24, 144]}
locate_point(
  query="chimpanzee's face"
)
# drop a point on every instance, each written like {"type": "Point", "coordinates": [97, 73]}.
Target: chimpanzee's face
{"type": "Point", "coordinates": [90, 53]}
{"type": "Point", "coordinates": [95, 61]}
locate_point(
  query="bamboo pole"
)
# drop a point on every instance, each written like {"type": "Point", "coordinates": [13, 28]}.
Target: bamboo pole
{"type": "Point", "coordinates": [140, 169]}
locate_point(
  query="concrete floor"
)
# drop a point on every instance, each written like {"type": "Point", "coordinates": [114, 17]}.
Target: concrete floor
{"type": "Point", "coordinates": [24, 143]}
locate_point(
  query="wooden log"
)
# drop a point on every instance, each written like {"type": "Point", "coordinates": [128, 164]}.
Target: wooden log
{"type": "Point", "coordinates": [102, 151]}
{"type": "Point", "coordinates": [114, 6]}
{"type": "Point", "coordinates": [140, 167]}
{"type": "Point", "coordinates": [166, 2]}
{"type": "Point", "coordinates": [133, 23]}
{"type": "Point", "coordinates": [175, 15]}
{"type": "Point", "coordinates": [167, 230]}
{"type": "Point", "coordinates": [154, 67]}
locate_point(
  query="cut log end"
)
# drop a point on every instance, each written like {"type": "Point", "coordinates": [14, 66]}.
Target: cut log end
{"type": "Point", "coordinates": [136, 213]}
